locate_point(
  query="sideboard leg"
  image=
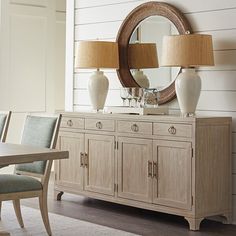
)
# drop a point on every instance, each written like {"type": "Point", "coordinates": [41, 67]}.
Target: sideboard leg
{"type": "Point", "coordinates": [58, 195]}
{"type": "Point", "coordinates": [227, 218]}
{"type": "Point", "coordinates": [194, 223]}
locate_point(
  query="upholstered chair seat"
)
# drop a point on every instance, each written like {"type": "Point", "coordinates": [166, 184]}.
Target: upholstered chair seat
{"type": "Point", "coordinates": [18, 183]}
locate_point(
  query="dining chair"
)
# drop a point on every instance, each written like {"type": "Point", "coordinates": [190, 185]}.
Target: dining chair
{"type": "Point", "coordinates": [4, 124]}
{"type": "Point", "coordinates": [31, 179]}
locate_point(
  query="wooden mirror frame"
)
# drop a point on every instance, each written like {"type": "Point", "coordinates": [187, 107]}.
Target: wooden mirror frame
{"type": "Point", "coordinates": [128, 26]}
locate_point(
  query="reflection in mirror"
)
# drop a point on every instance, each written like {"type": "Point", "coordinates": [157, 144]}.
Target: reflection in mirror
{"type": "Point", "coordinates": [142, 56]}
{"type": "Point", "coordinates": [150, 32]}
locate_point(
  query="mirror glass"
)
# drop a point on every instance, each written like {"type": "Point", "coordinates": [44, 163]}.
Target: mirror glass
{"type": "Point", "coordinates": [151, 30]}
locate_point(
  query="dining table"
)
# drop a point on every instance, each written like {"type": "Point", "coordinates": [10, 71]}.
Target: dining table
{"type": "Point", "coordinates": [17, 153]}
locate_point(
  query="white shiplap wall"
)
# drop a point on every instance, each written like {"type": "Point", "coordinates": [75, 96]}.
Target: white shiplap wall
{"type": "Point", "coordinates": [102, 19]}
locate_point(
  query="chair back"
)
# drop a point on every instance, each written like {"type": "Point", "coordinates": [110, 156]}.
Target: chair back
{"type": "Point", "coordinates": [40, 132]}
{"type": "Point", "coordinates": [4, 124]}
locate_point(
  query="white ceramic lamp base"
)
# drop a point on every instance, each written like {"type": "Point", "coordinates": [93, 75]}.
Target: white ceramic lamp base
{"type": "Point", "coordinates": [141, 79]}
{"type": "Point", "coordinates": [188, 88]}
{"type": "Point", "coordinates": [98, 87]}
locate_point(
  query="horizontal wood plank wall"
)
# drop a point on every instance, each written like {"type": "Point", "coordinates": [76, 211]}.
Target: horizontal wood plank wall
{"type": "Point", "coordinates": [102, 19]}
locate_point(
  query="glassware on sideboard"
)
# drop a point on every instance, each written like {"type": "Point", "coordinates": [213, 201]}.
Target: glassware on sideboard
{"type": "Point", "coordinates": [150, 97]}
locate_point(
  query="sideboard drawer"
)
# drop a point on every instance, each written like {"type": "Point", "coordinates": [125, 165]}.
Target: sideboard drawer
{"type": "Point", "coordinates": [96, 124]}
{"type": "Point", "coordinates": [167, 129]}
{"type": "Point", "coordinates": [72, 122]}
{"type": "Point", "coordinates": [134, 127]}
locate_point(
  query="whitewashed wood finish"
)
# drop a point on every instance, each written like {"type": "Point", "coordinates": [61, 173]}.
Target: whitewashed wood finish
{"type": "Point", "coordinates": [135, 168]}
{"type": "Point", "coordinates": [172, 185]}
{"type": "Point", "coordinates": [218, 83]}
{"type": "Point", "coordinates": [73, 123]}
{"type": "Point", "coordinates": [73, 178]}
{"type": "Point", "coordinates": [234, 165]}
{"type": "Point", "coordinates": [100, 124]}
{"type": "Point", "coordinates": [99, 172]}
{"type": "Point", "coordinates": [134, 183]}
{"type": "Point", "coordinates": [164, 129]}
{"type": "Point", "coordinates": [124, 126]}
{"type": "Point", "coordinates": [234, 184]}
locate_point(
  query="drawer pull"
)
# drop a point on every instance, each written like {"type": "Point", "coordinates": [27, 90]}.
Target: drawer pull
{"type": "Point", "coordinates": [81, 159]}
{"type": "Point", "coordinates": [155, 170]}
{"type": "Point", "coordinates": [172, 130]}
{"type": "Point", "coordinates": [150, 166]}
{"type": "Point", "coordinates": [134, 128]}
{"type": "Point", "coordinates": [86, 160]}
{"type": "Point", "coordinates": [99, 125]}
{"type": "Point", "coordinates": [70, 123]}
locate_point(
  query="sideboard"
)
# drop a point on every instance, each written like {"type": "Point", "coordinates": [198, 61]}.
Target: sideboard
{"type": "Point", "coordinates": [163, 163]}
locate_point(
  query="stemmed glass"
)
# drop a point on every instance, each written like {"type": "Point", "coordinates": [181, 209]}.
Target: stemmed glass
{"type": "Point", "coordinates": [124, 94]}
{"type": "Point", "coordinates": [137, 94]}
{"type": "Point", "coordinates": [129, 91]}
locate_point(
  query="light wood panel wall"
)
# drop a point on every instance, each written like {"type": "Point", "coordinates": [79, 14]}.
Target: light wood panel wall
{"type": "Point", "coordinates": [102, 19]}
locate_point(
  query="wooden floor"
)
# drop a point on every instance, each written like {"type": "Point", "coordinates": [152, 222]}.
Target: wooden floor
{"type": "Point", "coordinates": [129, 219]}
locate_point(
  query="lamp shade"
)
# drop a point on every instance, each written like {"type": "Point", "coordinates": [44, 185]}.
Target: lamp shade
{"type": "Point", "coordinates": [96, 54]}
{"type": "Point", "coordinates": [187, 50]}
{"type": "Point", "coordinates": [142, 55]}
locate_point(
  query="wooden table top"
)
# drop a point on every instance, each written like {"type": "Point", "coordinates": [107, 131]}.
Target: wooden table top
{"type": "Point", "coordinates": [17, 153]}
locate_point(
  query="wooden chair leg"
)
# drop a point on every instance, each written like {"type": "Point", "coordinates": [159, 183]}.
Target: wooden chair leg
{"type": "Point", "coordinates": [0, 210]}
{"type": "Point", "coordinates": [44, 212]}
{"type": "Point", "coordinates": [16, 204]}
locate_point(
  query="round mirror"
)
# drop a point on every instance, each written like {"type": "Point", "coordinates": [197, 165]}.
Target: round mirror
{"type": "Point", "coordinates": [140, 47]}
{"type": "Point", "coordinates": [148, 36]}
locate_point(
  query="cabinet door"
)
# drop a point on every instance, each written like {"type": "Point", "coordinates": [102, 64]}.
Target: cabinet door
{"type": "Point", "coordinates": [172, 178]}
{"type": "Point", "coordinates": [134, 159]}
{"type": "Point", "coordinates": [69, 173]}
{"type": "Point", "coordinates": [100, 168]}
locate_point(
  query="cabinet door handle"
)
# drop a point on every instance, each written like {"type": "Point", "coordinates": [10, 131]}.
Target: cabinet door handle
{"type": "Point", "coordinates": [99, 125]}
{"type": "Point", "coordinates": [70, 123]}
{"type": "Point", "coordinates": [149, 169]}
{"type": "Point", "coordinates": [86, 160]}
{"type": "Point", "coordinates": [172, 130]}
{"type": "Point", "coordinates": [81, 159]}
{"type": "Point", "coordinates": [135, 128]}
{"type": "Point", "coordinates": [155, 170]}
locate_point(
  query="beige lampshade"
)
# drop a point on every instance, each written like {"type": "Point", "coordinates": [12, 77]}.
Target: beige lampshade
{"type": "Point", "coordinates": [142, 55]}
{"type": "Point", "coordinates": [96, 54]}
{"type": "Point", "coordinates": [187, 50]}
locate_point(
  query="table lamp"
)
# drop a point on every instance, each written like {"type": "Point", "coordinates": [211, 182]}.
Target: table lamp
{"type": "Point", "coordinates": [141, 56]}
{"type": "Point", "coordinates": [97, 55]}
{"type": "Point", "coordinates": [188, 51]}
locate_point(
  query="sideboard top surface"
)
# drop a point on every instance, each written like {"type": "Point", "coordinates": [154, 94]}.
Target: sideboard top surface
{"type": "Point", "coordinates": [150, 118]}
